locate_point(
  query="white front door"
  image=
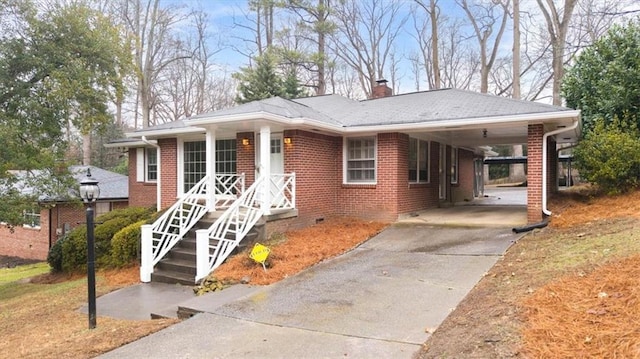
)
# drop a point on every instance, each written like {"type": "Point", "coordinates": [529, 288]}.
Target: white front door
{"type": "Point", "coordinates": [276, 159]}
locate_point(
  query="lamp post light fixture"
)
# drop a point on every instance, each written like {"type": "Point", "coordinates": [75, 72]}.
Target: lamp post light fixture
{"type": "Point", "coordinates": [89, 192]}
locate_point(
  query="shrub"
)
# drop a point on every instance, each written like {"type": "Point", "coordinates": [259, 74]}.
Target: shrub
{"type": "Point", "coordinates": [74, 247]}
{"type": "Point", "coordinates": [125, 245]}
{"type": "Point", "coordinates": [54, 257]}
{"type": "Point", "coordinates": [609, 156]}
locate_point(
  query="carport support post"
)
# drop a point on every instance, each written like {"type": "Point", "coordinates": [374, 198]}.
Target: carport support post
{"type": "Point", "coordinates": [534, 173]}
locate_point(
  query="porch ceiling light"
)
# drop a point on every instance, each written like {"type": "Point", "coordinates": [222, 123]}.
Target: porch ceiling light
{"type": "Point", "coordinates": [484, 133]}
{"type": "Point", "coordinates": [245, 141]}
{"type": "Point", "coordinates": [287, 140]}
{"type": "Point", "coordinates": [89, 190]}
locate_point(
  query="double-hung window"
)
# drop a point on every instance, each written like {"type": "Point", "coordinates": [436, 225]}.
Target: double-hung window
{"type": "Point", "coordinates": [418, 161]}
{"type": "Point", "coordinates": [360, 160]}
{"type": "Point", "coordinates": [147, 164]}
{"type": "Point", "coordinates": [31, 217]}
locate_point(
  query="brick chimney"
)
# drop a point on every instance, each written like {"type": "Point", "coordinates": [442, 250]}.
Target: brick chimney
{"type": "Point", "coordinates": [381, 89]}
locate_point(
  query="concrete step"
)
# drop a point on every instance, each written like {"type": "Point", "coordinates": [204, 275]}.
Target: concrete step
{"type": "Point", "coordinates": [171, 277]}
{"type": "Point", "coordinates": [177, 265]}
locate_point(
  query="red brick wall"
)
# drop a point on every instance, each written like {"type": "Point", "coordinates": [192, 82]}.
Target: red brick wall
{"type": "Point", "coordinates": [317, 163]}
{"type": "Point", "coordinates": [534, 173]}
{"type": "Point", "coordinates": [378, 201]}
{"type": "Point", "coordinates": [417, 196]}
{"type": "Point", "coordinates": [246, 157]}
{"type": "Point", "coordinates": [463, 191]}
{"type": "Point", "coordinates": [24, 242]}
{"type": "Point", "coordinates": [141, 194]}
{"type": "Point", "coordinates": [168, 171]}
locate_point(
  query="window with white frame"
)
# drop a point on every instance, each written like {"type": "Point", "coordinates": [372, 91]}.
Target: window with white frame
{"type": "Point", "coordinates": [151, 164]}
{"type": "Point", "coordinates": [226, 156]}
{"type": "Point", "coordinates": [195, 163]}
{"type": "Point", "coordinates": [361, 160]}
{"type": "Point", "coordinates": [454, 165]}
{"type": "Point", "coordinates": [31, 217]}
{"type": "Point", "coordinates": [146, 165]}
{"type": "Point", "coordinates": [195, 160]}
{"type": "Point", "coordinates": [418, 161]}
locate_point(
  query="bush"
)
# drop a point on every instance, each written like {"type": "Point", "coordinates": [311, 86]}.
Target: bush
{"type": "Point", "coordinates": [125, 245]}
{"type": "Point", "coordinates": [73, 250]}
{"type": "Point", "coordinates": [609, 156]}
{"type": "Point", "coordinates": [54, 257]}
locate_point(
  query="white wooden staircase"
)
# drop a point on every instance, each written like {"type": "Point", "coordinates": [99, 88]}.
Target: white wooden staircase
{"type": "Point", "coordinates": [190, 241]}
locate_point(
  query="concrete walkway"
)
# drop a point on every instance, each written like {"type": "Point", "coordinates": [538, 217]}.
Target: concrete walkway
{"type": "Point", "coordinates": [380, 300]}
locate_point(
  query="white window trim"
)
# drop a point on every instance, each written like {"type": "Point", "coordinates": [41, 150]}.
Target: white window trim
{"type": "Point", "coordinates": [34, 214]}
{"type": "Point", "coordinates": [142, 168]}
{"type": "Point", "coordinates": [345, 160]}
{"type": "Point", "coordinates": [428, 144]}
{"type": "Point", "coordinates": [455, 156]}
{"type": "Point", "coordinates": [180, 154]}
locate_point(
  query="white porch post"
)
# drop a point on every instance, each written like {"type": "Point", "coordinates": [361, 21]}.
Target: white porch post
{"type": "Point", "coordinates": [211, 168]}
{"type": "Point", "coordinates": [265, 168]}
{"type": "Point", "coordinates": [146, 253]}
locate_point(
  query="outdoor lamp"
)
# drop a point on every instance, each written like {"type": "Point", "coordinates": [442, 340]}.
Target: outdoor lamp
{"type": "Point", "coordinates": [89, 192]}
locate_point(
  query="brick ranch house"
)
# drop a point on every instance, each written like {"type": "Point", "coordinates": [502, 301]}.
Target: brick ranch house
{"type": "Point", "coordinates": [375, 159]}
{"type": "Point", "coordinates": [52, 218]}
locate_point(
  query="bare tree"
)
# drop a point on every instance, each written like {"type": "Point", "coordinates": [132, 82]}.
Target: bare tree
{"type": "Point", "coordinates": [487, 17]}
{"type": "Point", "coordinates": [434, 14]}
{"type": "Point", "coordinates": [557, 21]}
{"type": "Point", "coordinates": [365, 36]}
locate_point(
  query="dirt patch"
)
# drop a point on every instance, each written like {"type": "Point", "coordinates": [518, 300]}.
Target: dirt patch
{"type": "Point", "coordinates": [546, 297]}
{"type": "Point", "coordinates": [12, 262]}
{"type": "Point", "coordinates": [297, 250]}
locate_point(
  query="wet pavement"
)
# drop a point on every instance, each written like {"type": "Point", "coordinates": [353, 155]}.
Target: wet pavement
{"type": "Point", "coordinates": [378, 300]}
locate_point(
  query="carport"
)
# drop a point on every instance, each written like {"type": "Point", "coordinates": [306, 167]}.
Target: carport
{"type": "Point", "coordinates": [541, 132]}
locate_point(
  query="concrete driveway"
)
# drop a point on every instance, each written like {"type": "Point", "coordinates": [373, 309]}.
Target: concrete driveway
{"type": "Point", "coordinates": [380, 300]}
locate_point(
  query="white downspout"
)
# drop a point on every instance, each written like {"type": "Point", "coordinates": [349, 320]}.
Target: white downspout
{"type": "Point", "coordinates": [159, 180]}
{"type": "Point", "coordinates": [544, 161]}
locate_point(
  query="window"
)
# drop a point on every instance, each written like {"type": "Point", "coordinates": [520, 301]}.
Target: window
{"type": "Point", "coordinates": [418, 161]}
{"type": "Point", "coordinates": [454, 165]}
{"type": "Point", "coordinates": [226, 156]}
{"type": "Point", "coordinates": [361, 160]}
{"type": "Point", "coordinates": [151, 164]}
{"type": "Point", "coordinates": [195, 160]}
{"type": "Point", "coordinates": [31, 217]}
{"type": "Point", "coordinates": [195, 163]}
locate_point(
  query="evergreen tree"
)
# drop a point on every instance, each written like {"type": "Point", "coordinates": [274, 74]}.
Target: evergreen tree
{"type": "Point", "coordinates": [260, 82]}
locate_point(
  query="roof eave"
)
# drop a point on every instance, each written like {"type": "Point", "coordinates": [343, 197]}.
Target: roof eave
{"type": "Point", "coordinates": [265, 116]}
{"type": "Point", "coordinates": [465, 123]}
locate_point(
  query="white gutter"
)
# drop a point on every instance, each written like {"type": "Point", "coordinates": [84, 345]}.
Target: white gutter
{"type": "Point", "coordinates": [158, 181]}
{"type": "Point", "coordinates": [575, 124]}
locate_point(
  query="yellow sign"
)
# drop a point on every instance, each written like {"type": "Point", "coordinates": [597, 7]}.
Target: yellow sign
{"type": "Point", "coordinates": [259, 253]}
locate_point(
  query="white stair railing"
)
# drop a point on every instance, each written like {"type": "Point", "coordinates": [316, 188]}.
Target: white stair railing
{"type": "Point", "coordinates": [158, 238]}
{"type": "Point", "coordinates": [283, 191]}
{"type": "Point", "coordinates": [228, 188]}
{"type": "Point", "coordinates": [215, 244]}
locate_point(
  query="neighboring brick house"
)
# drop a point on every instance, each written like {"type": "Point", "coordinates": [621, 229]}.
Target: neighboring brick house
{"type": "Point", "coordinates": [376, 159]}
{"type": "Point", "coordinates": [52, 218]}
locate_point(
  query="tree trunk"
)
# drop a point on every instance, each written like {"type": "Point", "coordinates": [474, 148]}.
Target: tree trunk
{"type": "Point", "coordinates": [434, 44]}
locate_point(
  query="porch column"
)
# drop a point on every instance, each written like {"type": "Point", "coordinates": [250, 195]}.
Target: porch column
{"type": "Point", "coordinates": [265, 168]}
{"type": "Point", "coordinates": [211, 168]}
{"type": "Point", "coordinates": [534, 173]}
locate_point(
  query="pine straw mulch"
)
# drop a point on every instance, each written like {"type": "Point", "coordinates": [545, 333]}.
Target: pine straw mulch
{"type": "Point", "coordinates": [594, 316]}
{"type": "Point", "coordinates": [582, 205]}
{"type": "Point", "coordinates": [296, 250]}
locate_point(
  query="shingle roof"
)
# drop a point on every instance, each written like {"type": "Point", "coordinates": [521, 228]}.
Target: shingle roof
{"type": "Point", "coordinates": [426, 106]}
{"type": "Point", "coordinates": [112, 185]}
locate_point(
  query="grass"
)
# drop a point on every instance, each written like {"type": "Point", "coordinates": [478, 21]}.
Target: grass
{"type": "Point", "coordinates": [41, 320]}
{"type": "Point", "coordinates": [8, 275]}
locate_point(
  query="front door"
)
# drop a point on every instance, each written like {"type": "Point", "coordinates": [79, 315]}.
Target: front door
{"type": "Point", "coordinates": [276, 154]}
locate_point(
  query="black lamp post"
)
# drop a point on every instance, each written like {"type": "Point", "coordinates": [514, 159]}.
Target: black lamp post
{"type": "Point", "coordinates": [89, 192]}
